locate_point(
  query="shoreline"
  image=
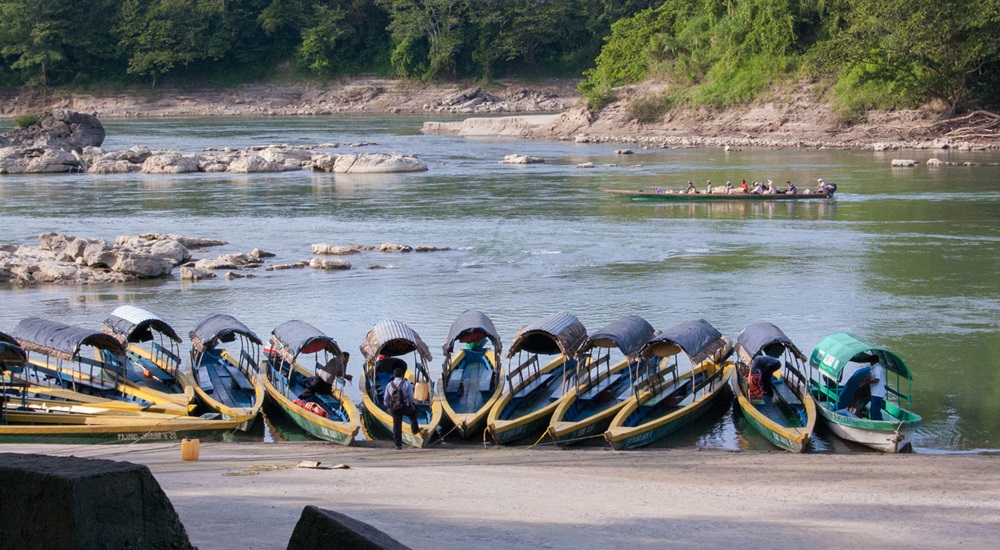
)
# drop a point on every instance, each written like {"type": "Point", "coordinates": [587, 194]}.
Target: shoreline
{"type": "Point", "coordinates": [791, 120]}
{"type": "Point", "coordinates": [240, 495]}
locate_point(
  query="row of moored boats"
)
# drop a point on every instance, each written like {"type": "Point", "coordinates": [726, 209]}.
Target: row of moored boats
{"type": "Point", "coordinates": [627, 383]}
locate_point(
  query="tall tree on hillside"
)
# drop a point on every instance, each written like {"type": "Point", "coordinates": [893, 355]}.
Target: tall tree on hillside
{"type": "Point", "coordinates": [157, 35]}
{"type": "Point", "coordinates": [440, 23]}
{"type": "Point", "coordinates": [932, 47]}
{"type": "Point", "coordinates": [33, 33]}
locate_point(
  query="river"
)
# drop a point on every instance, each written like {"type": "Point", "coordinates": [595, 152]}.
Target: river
{"type": "Point", "coordinates": [907, 258]}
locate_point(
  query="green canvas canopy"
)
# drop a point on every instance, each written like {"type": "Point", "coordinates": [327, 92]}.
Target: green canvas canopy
{"type": "Point", "coordinates": [835, 351]}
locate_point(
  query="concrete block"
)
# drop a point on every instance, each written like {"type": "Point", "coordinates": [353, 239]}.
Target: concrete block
{"type": "Point", "coordinates": [77, 503]}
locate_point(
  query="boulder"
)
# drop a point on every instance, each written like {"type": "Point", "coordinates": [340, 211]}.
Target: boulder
{"type": "Point", "coordinates": [521, 159]}
{"type": "Point", "coordinates": [319, 529]}
{"type": "Point", "coordinates": [391, 247]}
{"type": "Point", "coordinates": [169, 163]}
{"type": "Point", "coordinates": [286, 156]}
{"type": "Point", "coordinates": [51, 161]}
{"type": "Point", "coordinates": [193, 273]}
{"type": "Point", "coordinates": [60, 129]}
{"type": "Point", "coordinates": [333, 250]}
{"type": "Point", "coordinates": [903, 163]}
{"type": "Point", "coordinates": [105, 166]}
{"type": "Point", "coordinates": [281, 267]}
{"type": "Point", "coordinates": [143, 266]}
{"type": "Point", "coordinates": [253, 164]}
{"type": "Point", "coordinates": [323, 163]}
{"type": "Point", "coordinates": [377, 163]}
{"type": "Point", "coordinates": [317, 263]}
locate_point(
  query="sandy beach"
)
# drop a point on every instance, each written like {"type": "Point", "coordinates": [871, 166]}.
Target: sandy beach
{"type": "Point", "coordinates": [250, 495]}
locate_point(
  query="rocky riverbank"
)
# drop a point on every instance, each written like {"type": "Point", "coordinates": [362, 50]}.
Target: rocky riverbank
{"type": "Point", "coordinates": [789, 119]}
{"type": "Point", "coordinates": [68, 259]}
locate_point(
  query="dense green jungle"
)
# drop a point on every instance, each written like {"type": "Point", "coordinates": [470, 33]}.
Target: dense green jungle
{"type": "Point", "coordinates": [868, 54]}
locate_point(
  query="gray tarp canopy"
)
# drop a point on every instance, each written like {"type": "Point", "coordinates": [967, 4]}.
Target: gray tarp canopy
{"type": "Point", "coordinates": [560, 332]}
{"type": "Point", "coordinates": [219, 327]}
{"type": "Point", "coordinates": [61, 340]}
{"type": "Point", "coordinates": [134, 324]}
{"type": "Point", "coordinates": [761, 337]}
{"type": "Point", "coordinates": [291, 338]}
{"type": "Point", "coordinates": [11, 353]}
{"type": "Point", "coordinates": [628, 334]}
{"type": "Point", "coordinates": [699, 340]}
{"type": "Point", "coordinates": [471, 322]}
{"type": "Point", "coordinates": [393, 338]}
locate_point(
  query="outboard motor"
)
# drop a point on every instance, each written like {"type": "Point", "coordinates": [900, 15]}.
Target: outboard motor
{"type": "Point", "coordinates": [831, 188]}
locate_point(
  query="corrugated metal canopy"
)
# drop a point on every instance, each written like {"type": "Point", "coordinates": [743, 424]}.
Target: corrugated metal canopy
{"type": "Point", "coordinates": [471, 322]}
{"type": "Point", "coordinates": [11, 353]}
{"type": "Point", "coordinates": [628, 334]}
{"type": "Point", "coordinates": [61, 340]}
{"type": "Point", "coordinates": [559, 332]}
{"type": "Point", "coordinates": [219, 327]}
{"type": "Point", "coordinates": [294, 337]}
{"type": "Point", "coordinates": [698, 339]}
{"type": "Point", "coordinates": [391, 337]}
{"type": "Point", "coordinates": [835, 351]}
{"type": "Point", "coordinates": [133, 324]}
{"type": "Point", "coordinates": [758, 336]}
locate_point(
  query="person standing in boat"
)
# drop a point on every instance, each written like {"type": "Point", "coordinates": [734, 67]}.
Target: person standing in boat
{"type": "Point", "coordinates": [708, 187]}
{"type": "Point", "coordinates": [691, 189]}
{"type": "Point", "coordinates": [322, 383]}
{"type": "Point", "coordinates": [398, 400]}
{"type": "Point", "coordinates": [876, 381]}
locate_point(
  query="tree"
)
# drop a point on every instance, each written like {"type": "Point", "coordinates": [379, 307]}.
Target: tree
{"type": "Point", "coordinates": [441, 23]}
{"type": "Point", "coordinates": [33, 33]}
{"type": "Point", "coordinates": [936, 48]}
{"type": "Point", "coordinates": [160, 34]}
{"type": "Point", "coordinates": [321, 40]}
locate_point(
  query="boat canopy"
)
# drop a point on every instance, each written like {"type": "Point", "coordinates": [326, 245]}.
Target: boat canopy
{"type": "Point", "coordinates": [835, 351]}
{"type": "Point", "coordinates": [11, 353]}
{"type": "Point", "coordinates": [628, 334]}
{"type": "Point", "coordinates": [559, 332]}
{"type": "Point", "coordinates": [698, 339]}
{"type": "Point", "coordinates": [472, 326]}
{"type": "Point", "coordinates": [764, 337]}
{"type": "Point", "coordinates": [393, 338]}
{"type": "Point", "coordinates": [291, 338]}
{"type": "Point", "coordinates": [219, 328]}
{"type": "Point", "coordinates": [61, 340]}
{"type": "Point", "coordinates": [134, 324]}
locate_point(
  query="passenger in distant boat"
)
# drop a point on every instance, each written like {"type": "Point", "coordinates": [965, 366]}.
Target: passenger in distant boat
{"type": "Point", "coordinates": [743, 186]}
{"type": "Point", "coordinates": [757, 188]}
{"type": "Point", "coordinates": [791, 189]}
{"type": "Point", "coordinates": [657, 190]}
{"type": "Point", "coordinates": [729, 187]}
{"type": "Point", "coordinates": [691, 188]}
{"type": "Point", "coordinates": [322, 383]}
{"type": "Point", "coordinates": [770, 188]}
{"type": "Point", "coordinates": [768, 366]}
{"type": "Point", "coordinates": [407, 407]}
{"type": "Point", "coordinates": [876, 381]}
{"type": "Point", "coordinates": [820, 186]}
{"type": "Point", "coordinates": [708, 187]}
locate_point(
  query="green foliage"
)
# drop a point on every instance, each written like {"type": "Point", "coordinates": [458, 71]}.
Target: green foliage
{"type": "Point", "coordinates": [321, 41]}
{"type": "Point", "coordinates": [28, 120]}
{"type": "Point", "coordinates": [409, 59]}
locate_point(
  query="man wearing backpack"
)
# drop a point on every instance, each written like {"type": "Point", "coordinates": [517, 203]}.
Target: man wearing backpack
{"type": "Point", "coordinates": [398, 400]}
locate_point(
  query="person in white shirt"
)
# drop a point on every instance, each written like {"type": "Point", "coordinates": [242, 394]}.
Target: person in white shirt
{"type": "Point", "coordinates": [876, 381]}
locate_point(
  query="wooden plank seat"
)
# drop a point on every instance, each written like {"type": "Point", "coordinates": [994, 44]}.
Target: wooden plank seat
{"type": "Point", "coordinates": [786, 394]}
{"type": "Point", "coordinates": [667, 391]}
{"type": "Point", "coordinates": [240, 380]}
{"type": "Point", "coordinates": [455, 380]}
{"type": "Point", "coordinates": [205, 380]}
{"type": "Point", "coordinates": [534, 385]}
{"type": "Point", "coordinates": [601, 385]}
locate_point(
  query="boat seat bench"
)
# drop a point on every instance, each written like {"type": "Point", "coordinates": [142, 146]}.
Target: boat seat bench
{"type": "Point", "coordinates": [786, 394]}
{"type": "Point", "coordinates": [240, 380]}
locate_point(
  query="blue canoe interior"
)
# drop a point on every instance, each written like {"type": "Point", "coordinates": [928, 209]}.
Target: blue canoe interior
{"type": "Point", "coordinates": [298, 383]}
{"type": "Point", "coordinates": [679, 395]}
{"type": "Point", "coordinates": [783, 407]}
{"type": "Point", "coordinates": [545, 389]}
{"type": "Point", "coordinates": [605, 393]}
{"type": "Point", "coordinates": [471, 383]}
{"type": "Point", "coordinates": [226, 383]}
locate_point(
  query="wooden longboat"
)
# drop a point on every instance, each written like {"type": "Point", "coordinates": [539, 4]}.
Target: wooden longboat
{"type": "Point", "coordinates": [600, 388]}
{"type": "Point", "coordinates": [286, 376]}
{"type": "Point", "coordinates": [391, 340]}
{"type": "Point", "coordinates": [225, 355]}
{"type": "Point", "coordinates": [470, 382]}
{"type": "Point", "coordinates": [29, 416]}
{"type": "Point", "coordinates": [60, 366]}
{"type": "Point", "coordinates": [152, 352]}
{"type": "Point", "coordinates": [786, 417]}
{"type": "Point", "coordinates": [733, 195]}
{"type": "Point", "coordinates": [665, 400]}
{"type": "Point", "coordinates": [541, 362]}
{"type": "Point", "coordinates": [835, 384]}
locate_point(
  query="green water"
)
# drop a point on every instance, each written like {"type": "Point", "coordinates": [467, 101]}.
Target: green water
{"type": "Point", "coordinates": [908, 258]}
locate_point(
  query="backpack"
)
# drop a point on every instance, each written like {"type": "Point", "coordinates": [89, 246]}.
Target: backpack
{"type": "Point", "coordinates": [396, 400]}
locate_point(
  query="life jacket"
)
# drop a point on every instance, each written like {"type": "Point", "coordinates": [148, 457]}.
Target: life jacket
{"type": "Point", "coordinates": [312, 407]}
{"type": "Point", "coordinates": [755, 390]}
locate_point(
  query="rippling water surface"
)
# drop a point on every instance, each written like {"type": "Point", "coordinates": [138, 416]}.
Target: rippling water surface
{"type": "Point", "coordinates": [908, 258]}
